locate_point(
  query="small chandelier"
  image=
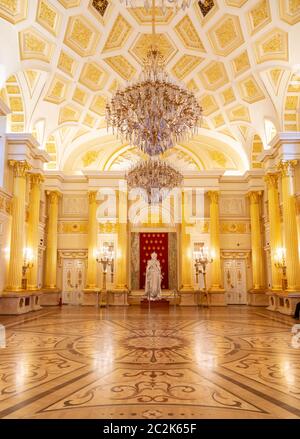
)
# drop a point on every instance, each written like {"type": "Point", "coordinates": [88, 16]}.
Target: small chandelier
{"type": "Point", "coordinates": [154, 178]}
{"type": "Point", "coordinates": [155, 113]}
{"type": "Point", "coordinates": [176, 4]}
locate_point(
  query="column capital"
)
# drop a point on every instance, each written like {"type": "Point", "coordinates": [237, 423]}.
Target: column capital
{"type": "Point", "coordinates": [214, 196]}
{"type": "Point", "coordinates": [286, 167]}
{"type": "Point", "coordinates": [92, 196]}
{"type": "Point", "coordinates": [53, 196]}
{"type": "Point", "coordinates": [36, 179]}
{"type": "Point", "coordinates": [254, 197]}
{"type": "Point", "coordinates": [20, 167]}
{"type": "Point", "coordinates": [271, 180]}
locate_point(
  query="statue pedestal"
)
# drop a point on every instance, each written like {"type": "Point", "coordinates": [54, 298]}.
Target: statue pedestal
{"type": "Point", "coordinates": [161, 303]}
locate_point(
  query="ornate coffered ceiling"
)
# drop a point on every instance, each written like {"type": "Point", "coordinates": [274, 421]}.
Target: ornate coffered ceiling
{"type": "Point", "coordinates": [240, 58]}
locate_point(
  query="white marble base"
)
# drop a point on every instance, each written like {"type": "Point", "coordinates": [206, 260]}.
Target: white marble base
{"type": "Point", "coordinates": [188, 298]}
{"type": "Point", "coordinates": [51, 297]}
{"type": "Point", "coordinates": [257, 298]}
{"type": "Point", "coordinates": [283, 302]}
{"type": "Point", "coordinates": [217, 297]}
{"type": "Point", "coordinates": [118, 297]}
{"type": "Point", "coordinates": [19, 302]}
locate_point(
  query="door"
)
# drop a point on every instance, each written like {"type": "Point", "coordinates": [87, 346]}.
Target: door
{"type": "Point", "coordinates": [235, 281]}
{"type": "Point", "coordinates": [73, 281]}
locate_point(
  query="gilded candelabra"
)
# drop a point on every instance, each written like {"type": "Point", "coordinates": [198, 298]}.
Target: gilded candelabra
{"type": "Point", "coordinates": [27, 264]}
{"type": "Point", "coordinates": [105, 258]}
{"type": "Point", "coordinates": [280, 262]}
{"type": "Point", "coordinates": [201, 261]}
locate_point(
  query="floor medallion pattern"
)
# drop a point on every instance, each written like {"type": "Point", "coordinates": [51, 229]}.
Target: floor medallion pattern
{"type": "Point", "coordinates": [73, 362]}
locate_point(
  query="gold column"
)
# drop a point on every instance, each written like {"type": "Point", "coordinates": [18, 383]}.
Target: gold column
{"type": "Point", "coordinates": [122, 281]}
{"type": "Point", "coordinates": [51, 246]}
{"type": "Point", "coordinates": [17, 241]}
{"type": "Point", "coordinates": [214, 228]}
{"type": "Point", "coordinates": [256, 240]}
{"type": "Point", "coordinates": [275, 227]}
{"type": "Point", "coordinates": [33, 227]}
{"type": "Point", "coordinates": [91, 278]}
{"type": "Point", "coordinates": [290, 224]}
{"type": "Point", "coordinates": [186, 249]}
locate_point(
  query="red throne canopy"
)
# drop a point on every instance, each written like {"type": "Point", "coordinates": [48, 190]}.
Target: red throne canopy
{"type": "Point", "coordinates": [158, 243]}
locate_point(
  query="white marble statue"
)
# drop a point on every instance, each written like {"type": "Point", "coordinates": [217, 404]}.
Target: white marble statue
{"type": "Point", "coordinates": [153, 278]}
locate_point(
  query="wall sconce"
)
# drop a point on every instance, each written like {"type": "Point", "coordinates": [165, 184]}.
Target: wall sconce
{"type": "Point", "coordinates": [280, 262]}
{"type": "Point", "coordinates": [27, 264]}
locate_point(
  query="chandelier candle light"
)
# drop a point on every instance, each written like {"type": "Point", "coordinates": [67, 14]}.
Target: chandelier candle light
{"type": "Point", "coordinates": [154, 178]}
{"type": "Point", "coordinates": [155, 113]}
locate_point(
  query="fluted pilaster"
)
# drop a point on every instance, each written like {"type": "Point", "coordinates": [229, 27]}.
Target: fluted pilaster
{"type": "Point", "coordinates": [51, 246]}
{"type": "Point", "coordinates": [186, 249]}
{"type": "Point", "coordinates": [256, 240]}
{"type": "Point", "coordinates": [275, 226]}
{"type": "Point", "coordinates": [20, 169]}
{"type": "Point", "coordinates": [214, 227]}
{"type": "Point", "coordinates": [122, 280]}
{"type": "Point", "coordinates": [286, 169]}
{"type": "Point", "coordinates": [33, 227]}
{"type": "Point", "coordinates": [91, 278]}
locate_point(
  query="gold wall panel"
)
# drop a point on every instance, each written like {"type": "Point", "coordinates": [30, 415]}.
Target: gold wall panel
{"type": "Point", "coordinates": [121, 66]}
{"type": "Point", "coordinates": [81, 36]}
{"type": "Point", "coordinates": [272, 46]}
{"type": "Point", "coordinates": [259, 16]}
{"type": "Point", "coordinates": [250, 90]}
{"type": "Point", "coordinates": [93, 76]}
{"type": "Point", "coordinates": [48, 17]}
{"type": "Point", "coordinates": [189, 35]}
{"type": "Point", "coordinates": [218, 121]}
{"type": "Point", "coordinates": [33, 45]}
{"type": "Point", "coordinates": [13, 11]}
{"type": "Point", "coordinates": [118, 35]}
{"type": "Point", "coordinates": [72, 227]}
{"type": "Point", "coordinates": [214, 75]}
{"type": "Point", "coordinates": [226, 35]}
{"type": "Point", "coordinates": [185, 65]}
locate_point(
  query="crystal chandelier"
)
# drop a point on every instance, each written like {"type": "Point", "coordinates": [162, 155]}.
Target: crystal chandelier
{"type": "Point", "coordinates": [154, 178]}
{"type": "Point", "coordinates": [155, 113]}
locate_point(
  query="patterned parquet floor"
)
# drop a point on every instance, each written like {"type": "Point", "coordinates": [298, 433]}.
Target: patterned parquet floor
{"type": "Point", "coordinates": [83, 362]}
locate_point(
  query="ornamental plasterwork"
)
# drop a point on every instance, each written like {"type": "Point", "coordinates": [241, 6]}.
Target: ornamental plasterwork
{"type": "Point", "coordinates": [250, 90]}
{"type": "Point", "coordinates": [48, 16]}
{"type": "Point", "coordinates": [13, 11]}
{"type": "Point", "coordinates": [143, 43]}
{"type": "Point", "coordinates": [33, 45]}
{"type": "Point", "coordinates": [93, 50]}
{"type": "Point", "coordinates": [188, 34]}
{"type": "Point", "coordinates": [272, 46]}
{"type": "Point", "coordinates": [226, 35]}
{"type": "Point", "coordinates": [259, 16]}
{"type": "Point", "coordinates": [118, 35]}
{"type": "Point", "coordinates": [290, 11]}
